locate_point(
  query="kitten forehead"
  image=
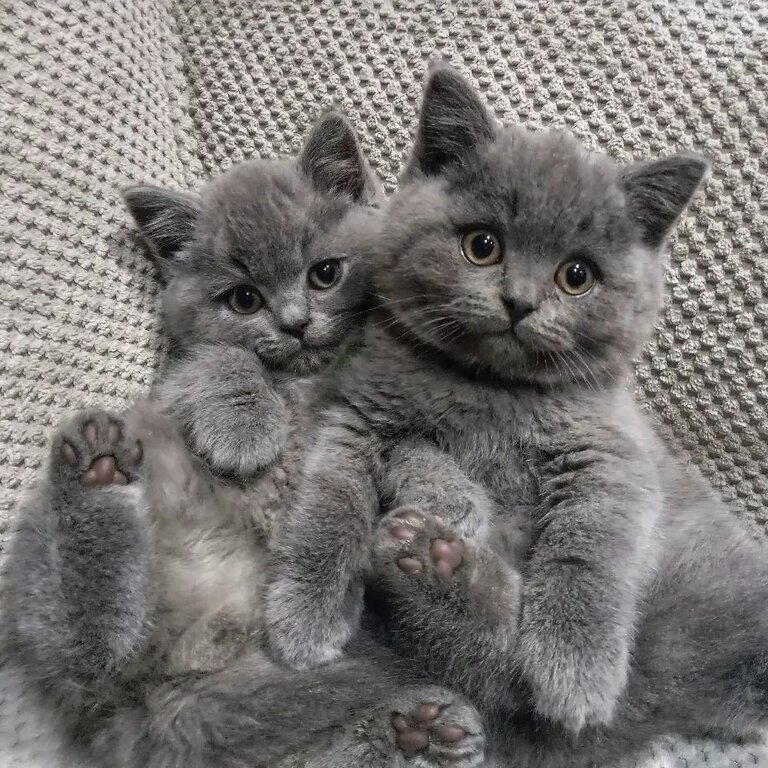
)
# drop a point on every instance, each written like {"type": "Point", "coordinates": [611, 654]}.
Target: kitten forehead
{"type": "Point", "coordinates": [541, 186]}
{"type": "Point", "coordinates": [265, 215]}
{"type": "Point", "coordinates": [548, 168]}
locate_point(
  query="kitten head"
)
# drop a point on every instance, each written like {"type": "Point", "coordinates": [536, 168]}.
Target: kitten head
{"type": "Point", "coordinates": [261, 258]}
{"type": "Point", "coordinates": [522, 253]}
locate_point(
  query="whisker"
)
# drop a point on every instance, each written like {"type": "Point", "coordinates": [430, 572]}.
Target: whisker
{"type": "Point", "coordinates": [585, 372]}
{"type": "Point", "coordinates": [573, 373]}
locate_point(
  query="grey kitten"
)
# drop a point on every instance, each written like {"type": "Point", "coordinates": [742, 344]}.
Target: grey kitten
{"type": "Point", "coordinates": [610, 597]}
{"type": "Point", "coordinates": [135, 583]}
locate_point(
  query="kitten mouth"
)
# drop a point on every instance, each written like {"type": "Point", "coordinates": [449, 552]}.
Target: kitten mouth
{"type": "Point", "coordinates": [300, 358]}
{"type": "Point", "coordinates": [505, 330]}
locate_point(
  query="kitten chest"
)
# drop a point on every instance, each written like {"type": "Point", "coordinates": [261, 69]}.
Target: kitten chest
{"type": "Point", "coordinates": [489, 438]}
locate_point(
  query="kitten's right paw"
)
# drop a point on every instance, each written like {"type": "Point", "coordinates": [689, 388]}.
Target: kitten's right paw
{"type": "Point", "coordinates": [95, 449]}
{"type": "Point", "coordinates": [230, 414]}
{"type": "Point", "coordinates": [239, 439]}
{"type": "Point", "coordinates": [306, 630]}
{"type": "Point", "coordinates": [434, 728]}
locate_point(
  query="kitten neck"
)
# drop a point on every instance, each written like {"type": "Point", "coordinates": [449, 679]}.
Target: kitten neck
{"type": "Point", "coordinates": [434, 358]}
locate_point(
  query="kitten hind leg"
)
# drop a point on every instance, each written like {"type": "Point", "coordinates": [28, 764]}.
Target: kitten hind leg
{"type": "Point", "coordinates": [716, 650]}
{"type": "Point", "coordinates": [452, 603]}
{"type": "Point", "coordinates": [78, 574]}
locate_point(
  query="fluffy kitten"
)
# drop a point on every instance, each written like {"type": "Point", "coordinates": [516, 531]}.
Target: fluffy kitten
{"type": "Point", "coordinates": [612, 597]}
{"type": "Point", "coordinates": [136, 573]}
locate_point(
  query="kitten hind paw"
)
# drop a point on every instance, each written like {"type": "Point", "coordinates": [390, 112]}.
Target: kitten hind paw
{"type": "Point", "coordinates": [95, 449]}
{"type": "Point", "coordinates": [419, 545]}
{"type": "Point", "coordinates": [436, 729]}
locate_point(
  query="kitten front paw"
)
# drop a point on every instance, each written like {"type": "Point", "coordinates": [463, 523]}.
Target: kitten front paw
{"type": "Point", "coordinates": [237, 439]}
{"type": "Point", "coordinates": [573, 687]}
{"type": "Point", "coordinates": [305, 629]}
{"type": "Point", "coordinates": [229, 413]}
{"type": "Point", "coordinates": [96, 450]}
{"type": "Point", "coordinates": [433, 727]}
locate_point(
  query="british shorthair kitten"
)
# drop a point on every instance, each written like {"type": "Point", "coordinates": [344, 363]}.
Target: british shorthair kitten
{"type": "Point", "coordinates": [136, 575]}
{"type": "Point", "coordinates": [610, 597]}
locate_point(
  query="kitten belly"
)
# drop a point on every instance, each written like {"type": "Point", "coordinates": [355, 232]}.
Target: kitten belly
{"type": "Point", "coordinates": [210, 550]}
{"type": "Point", "coordinates": [213, 597]}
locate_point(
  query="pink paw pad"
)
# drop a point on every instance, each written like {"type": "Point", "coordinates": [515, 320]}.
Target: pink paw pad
{"type": "Point", "coordinates": [446, 556]}
{"type": "Point", "coordinates": [406, 525]}
{"type": "Point", "coordinates": [103, 469]}
{"type": "Point", "coordinates": [414, 732]}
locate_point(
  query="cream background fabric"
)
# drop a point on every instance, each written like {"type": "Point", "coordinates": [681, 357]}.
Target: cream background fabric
{"type": "Point", "coordinates": [94, 95]}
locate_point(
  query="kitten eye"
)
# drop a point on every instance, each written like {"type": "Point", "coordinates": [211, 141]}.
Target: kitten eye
{"type": "Point", "coordinates": [575, 277]}
{"type": "Point", "coordinates": [481, 247]}
{"type": "Point", "coordinates": [245, 300]}
{"type": "Point", "coordinates": [325, 274]}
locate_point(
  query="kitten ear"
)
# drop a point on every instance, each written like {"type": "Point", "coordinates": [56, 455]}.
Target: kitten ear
{"type": "Point", "coordinates": [452, 124]}
{"type": "Point", "coordinates": [335, 163]}
{"type": "Point", "coordinates": [165, 218]}
{"type": "Point", "coordinates": [659, 190]}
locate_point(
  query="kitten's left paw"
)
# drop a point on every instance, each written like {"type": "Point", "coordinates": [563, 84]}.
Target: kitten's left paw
{"type": "Point", "coordinates": [410, 543]}
{"type": "Point", "coordinates": [575, 709]}
{"type": "Point", "coordinates": [572, 687]}
{"type": "Point", "coordinates": [308, 629]}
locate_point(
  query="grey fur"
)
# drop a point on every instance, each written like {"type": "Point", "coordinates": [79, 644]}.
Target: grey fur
{"type": "Point", "coordinates": [135, 610]}
{"type": "Point", "coordinates": [611, 597]}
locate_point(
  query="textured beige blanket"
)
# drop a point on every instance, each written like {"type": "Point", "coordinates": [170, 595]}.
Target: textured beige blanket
{"type": "Point", "coordinates": [97, 94]}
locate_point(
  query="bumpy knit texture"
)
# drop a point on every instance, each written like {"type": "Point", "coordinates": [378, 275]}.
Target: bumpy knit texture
{"type": "Point", "coordinates": [94, 95]}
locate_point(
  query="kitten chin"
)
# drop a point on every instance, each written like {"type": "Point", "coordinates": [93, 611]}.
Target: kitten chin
{"type": "Point", "coordinates": [303, 363]}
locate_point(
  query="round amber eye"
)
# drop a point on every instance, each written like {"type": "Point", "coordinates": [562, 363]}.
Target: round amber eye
{"type": "Point", "coordinates": [325, 274]}
{"type": "Point", "coordinates": [575, 277]}
{"type": "Point", "coordinates": [481, 247]}
{"type": "Point", "coordinates": [245, 300]}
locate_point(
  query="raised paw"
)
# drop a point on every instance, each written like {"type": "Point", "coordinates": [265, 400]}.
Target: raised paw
{"type": "Point", "coordinates": [418, 542]}
{"type": "Point", "coordinates": [439, 730]}
{"type": "Point", "coordinates": [94, 446]}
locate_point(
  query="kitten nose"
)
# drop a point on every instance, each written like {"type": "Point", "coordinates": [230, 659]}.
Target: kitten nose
{"type": "Point", "coordinates": [293, 317]}
{"type": "Point", "coordinates": [294, 326]}
{"type": "Point", "coordinates": [517, 309]}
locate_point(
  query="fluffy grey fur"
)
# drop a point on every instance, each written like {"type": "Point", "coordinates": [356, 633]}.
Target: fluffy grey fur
{"type": "Point", "coordinates": [135, 584]}
{"type": "Point", "coordinates": [610, 597]}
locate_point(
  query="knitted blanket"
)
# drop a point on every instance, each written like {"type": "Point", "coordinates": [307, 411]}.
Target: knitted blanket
{"type": "Point", "coordinates": [97, 94]}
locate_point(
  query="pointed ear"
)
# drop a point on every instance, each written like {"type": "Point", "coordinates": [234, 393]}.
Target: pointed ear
{"type": "Point", "coordinates": [452, 124]}
{"type": "Point", "coordinates": [165, 218]}
{"type": "Point", "coordinates": [334, 162]}
{"type": "Point", "coordinates": [658, 192]}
